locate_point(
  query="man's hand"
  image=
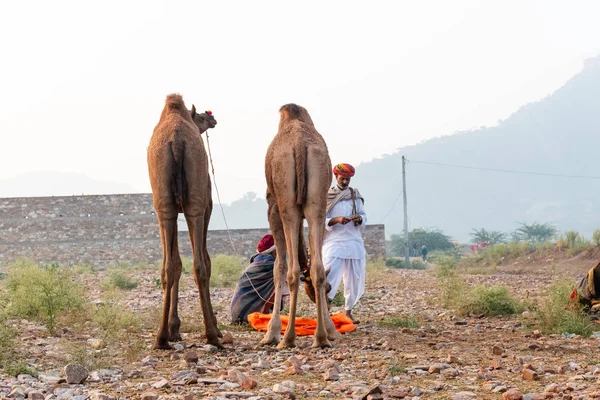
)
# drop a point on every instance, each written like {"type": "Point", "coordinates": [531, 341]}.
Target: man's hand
{"type": "Point", "coordinates": [357, 219]}
{"type": "Point", "coordinates": [339, 220]}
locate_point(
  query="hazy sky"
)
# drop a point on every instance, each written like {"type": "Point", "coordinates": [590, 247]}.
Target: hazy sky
{"type": "Point", "coordinates": [82, 83]}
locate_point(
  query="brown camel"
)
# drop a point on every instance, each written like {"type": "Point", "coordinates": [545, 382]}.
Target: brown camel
{"type": "Point", "coordinates": [178, 167]}
{"type": "Point", "coordinates": [298, 172]}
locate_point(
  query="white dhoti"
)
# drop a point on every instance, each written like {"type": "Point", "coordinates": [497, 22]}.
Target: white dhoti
{"type": "Point", "coordinates": [352, 272]}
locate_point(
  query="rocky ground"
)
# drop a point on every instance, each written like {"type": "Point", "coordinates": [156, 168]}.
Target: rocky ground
{"type": "Point", "coordinates": [445, 357]}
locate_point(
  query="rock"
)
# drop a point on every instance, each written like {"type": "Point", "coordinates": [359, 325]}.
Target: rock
{"type": "Point", "coordinates": [436, 368]}
{"type": "Point", "coordinates": [178, 347]}
{"type": "Point", "coordinates": [37, 395]}
{"type": "Point", "coordinates": [552, 388]}
{"type": "Point", "coordinates": [451, 359]}
{"type": "Point", "coordinates": [331, 375]}
{"type": "Point", "coordinates": [149, 396]}
{"type": "Point", "coordinates": [98, 396]}
{"type": "Point", "coordinates": [163, 383]}
{"type": "Point", "coordinates": [398, 393]}
{"type": "Point", "coordinates": [512, 394]}
{"type": "Point", "coordinates": [227, 338]}
{"type": "Point", "coordinates": [249, 384]}
{"type": "Point", "coordinates": [240, 378]}
{"type": "Point", "coordinates": [17, 393]}
{"type": "Point", "coordinates": [529, 375]}
{"type": "Point", "coordinates": [499, 389]}
{"type": "Point", "coordinates": [209, 348]}
{"type": "Point", "coordinates": [185, 378]}
{"type": "Point", "coordinates": [295, 366]}
{"type": "Point", "coordinates": [96, 344]}
{"type": "Point", "coordinates": [75, 373]}
{"type": "Point", "coordinates": [464, 396]}
{"type": "Point", "coordinates": [280, 388]}
{"type": "Point", "coordinates": [497, 350]}
{"type": "Point", "coordinates": [496, 363]}
{"type": "Point", "coordinates": [375, 390]}
{"type": "Point", "coordinates": [534, 346]}
{"type": "Point", "coordinates": [191, 357]}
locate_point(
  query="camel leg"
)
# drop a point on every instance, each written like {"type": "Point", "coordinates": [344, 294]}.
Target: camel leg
{"type": "Point", "coordinates": [174, 321]}
{"type": "Point", "coordinates": [273, 334]}
{"type": "Point", "coordinates": [168, 229]}
{"type": "Point", "coordinates": [207, 262]}
{"type": "Point", "coordinates": [291, 224]}
{"type": "Point", "coordinates": [201, 276]}
{"type": "Point", "coordinates": [325, 327]}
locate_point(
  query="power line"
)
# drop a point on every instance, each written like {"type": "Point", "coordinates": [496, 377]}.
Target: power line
{"type": "Point", "coordinates": [505, 170]}
{"type": "Point", "coordinates": [392, 209]}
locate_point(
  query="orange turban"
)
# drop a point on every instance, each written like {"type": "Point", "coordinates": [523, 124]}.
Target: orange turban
{"type": "Point", "coordinates": [344, 170]}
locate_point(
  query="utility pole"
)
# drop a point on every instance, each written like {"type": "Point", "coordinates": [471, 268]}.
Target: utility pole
{"type": "Point", "coordinates": [406, 244]}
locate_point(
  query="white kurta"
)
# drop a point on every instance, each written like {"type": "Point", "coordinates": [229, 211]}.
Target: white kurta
{"type": "Point", "coordinates": [344, 253]}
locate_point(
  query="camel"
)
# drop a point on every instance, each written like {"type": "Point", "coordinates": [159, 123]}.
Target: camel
{"type": "Point", "coordinates": [298, 174]}
{"type": "Point", "coordinates": [178, 168]}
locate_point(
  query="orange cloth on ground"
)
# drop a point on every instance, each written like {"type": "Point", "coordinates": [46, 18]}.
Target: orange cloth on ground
{"type": "Point", "coordinates": [304, 326]}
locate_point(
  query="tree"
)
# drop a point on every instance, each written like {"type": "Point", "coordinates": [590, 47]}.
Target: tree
{"type": "Point", "coordinates": [535, 233]}
{"type": "Point", "coordinates": [482, 235]}
{"type": "Point", "coordinates": [434, 239]}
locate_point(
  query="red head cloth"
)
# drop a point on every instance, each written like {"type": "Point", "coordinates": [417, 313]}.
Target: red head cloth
{"type": "Point", "coordinates": [344, 170]}
{"type": "Point", "coordinates": [265, 243]}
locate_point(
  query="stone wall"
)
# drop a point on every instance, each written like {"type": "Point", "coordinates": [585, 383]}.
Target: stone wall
{"type": "Point", "coordinates": [104, 229]}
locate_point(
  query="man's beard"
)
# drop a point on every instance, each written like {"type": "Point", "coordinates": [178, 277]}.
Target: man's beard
{"type": "Point", "coordinates": [342, 186]}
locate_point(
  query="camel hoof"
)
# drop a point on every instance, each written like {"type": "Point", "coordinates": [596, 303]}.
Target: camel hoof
{"type": "Point", "coordinates": [219, 334]}
{"type": "Point", "coordinates": [270, 341]}
{"type": "Point", "coordinates": [286, 345]}
{"type": "Point", "coordinates": [335, 335]}
{"type": "Point", "coordinates": [176, 337]}
{"type": "Point", "coordinates": [216, 343]}
{"type": "Point", "coordinates": [161, 346]}
{"type": "Point", "coordinates": [321, 343]}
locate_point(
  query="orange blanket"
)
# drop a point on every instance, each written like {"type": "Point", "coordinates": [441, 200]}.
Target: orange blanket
{"type": "Point", "coordinates": [304, 326]}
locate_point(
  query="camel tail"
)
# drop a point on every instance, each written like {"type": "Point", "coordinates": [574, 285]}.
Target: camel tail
{"type": "Point", "coordinates": [300, 156]}
{"type": "Point", "coordinates": [178, 181]}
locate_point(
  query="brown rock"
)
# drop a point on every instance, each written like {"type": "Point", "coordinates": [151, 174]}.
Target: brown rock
{"type": "Point", "coordinates": [249, 384]}
{"type": "Point", "coordinates": [295, 366]}
{"type": "Point", "coordinates": [529, 375]}
{"type": "Point", "coordinates": [375, 390]}
{"type": "Point", "coordinates": [149, 396]}
{"type": "Point", "coordinates": [398, 393]}
{"type": "Point", "coordinates": [451, 359]}
{"type": "Point", "coordinates": [496, 364]}
{"type": "Point", "coordinates": [512, 394]}
{"type": "Point", "coordinates": [497, 350]}
{"type": "Point", "coordinates": [227, 338]}
{"type": "Point", "coordinates": [534, 346]}
{"type": "Point", "coordinates": [75, 373]}
{"type": "Point", "coordinates": [191, 356]}
{"type": "Point", "coordinates": [331, 375]}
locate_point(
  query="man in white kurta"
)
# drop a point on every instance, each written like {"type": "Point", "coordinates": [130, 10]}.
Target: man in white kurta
{"type": "Point", "coordinates": [344, 252]}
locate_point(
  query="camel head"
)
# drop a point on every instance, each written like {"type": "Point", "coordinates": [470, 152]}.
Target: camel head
{"type": "Point", "coordinates": [203, 121]}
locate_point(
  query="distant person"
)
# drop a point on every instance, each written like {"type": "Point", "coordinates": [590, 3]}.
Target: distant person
{"type": "Point", "coordinates": [424, 252]}
{"type": "Point", "coordinates": [415, 250]}
{"type": "Point", "coordinates": [255, 290]}
{"type": "Point", "coordinates": [474, 248]}
{"type": "Point", "coordinates": [344, 252]}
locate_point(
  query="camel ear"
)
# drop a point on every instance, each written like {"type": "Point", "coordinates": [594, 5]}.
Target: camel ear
{"type": "Point", "coordinates": [193, 112]}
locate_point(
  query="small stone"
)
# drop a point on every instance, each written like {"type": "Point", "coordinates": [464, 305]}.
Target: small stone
{"type": "Point", "coordinates": [163, 383]}
{"type": "Point", "coordinates": [451, 359]}
{"type": "Point", "coordinates": [149, 396]}
{"type": "Point", "coordinates": [398, 393]}
{"type": "Point", "coordinates": [499, 389]}
{"type": "Point", "coordinates": [464, 396]}
{"type": "Point", "coordinates": [552, 388]}
{"type": "Point", "coordinates": [227, 338]}
{"type": "Point", "coordinates": [375, 390]}
{"type": "Point", "coordinates": [497, 350]}
{"type": "Point", "coordinates": [17, 393]}
{"type": "Point", "coordinates": [295, 366]}
{"type": "Point", "coordinates": [331, 375]}
{"type": "Point", "coordinates": [191, 356]}
{"type": "Point", "coordinates": [436, 368]}
{"type": "Point", "coordinates": [178, 347]}
{"type": "Point", "coordinates": [209, 348]}
{"type": "Point", "coordinates": [529, 375]}
{"type": "Point", "coordinates": [37, 395]}
{"type": "Point", "coordinates": [497, 364]}
{"type": "Point", "coordinates": [280, 388]}
{"type": "Point", "coordinates": [99, 396]}
{"type": "Point", "coordinates": [512, 394]}
{"type": "Point", "coordinates": [534, 346]}
{"type": "Point", "coordinates": [75, 373]}
{"type": "Point", "coordinates": [96, 344]}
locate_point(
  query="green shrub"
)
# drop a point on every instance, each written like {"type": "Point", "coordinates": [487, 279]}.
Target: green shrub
{"type": "Point", "coordinates": [490, 301]}
{"type": "Point", "coordinates": [452, 288]}
{"type": "Point", "coordinates": [112, 319]}
{"type": "Point", "coordinates": [117, 279]}
{"type": "Point", "coordinates": [572, 238]}
{"type": "Point", "coordinates": [446, 266]}
{"type": "Point", "coordinates": [338, 299]}
{"type": "Point", "coordinates": [41, 293]}
{"type": "Point", "coordinates": [400, 264]}
{"type": "Point", "coordinates": [596, 237]}
{"type": "Point", "coordinates": [226, 270]}
{"type": "Point", "coordinates": [557, 315]}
